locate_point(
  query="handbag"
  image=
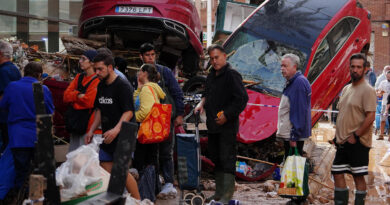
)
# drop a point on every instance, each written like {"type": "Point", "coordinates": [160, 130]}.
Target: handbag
{"type": "Point", "coordinates": [76, 121]}
{"type": "Point", "coordinates": [156, 126]}
{"type": "Point", "coordinates": [294, 182]}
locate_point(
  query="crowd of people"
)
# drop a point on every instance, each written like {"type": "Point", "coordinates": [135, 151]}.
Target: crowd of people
{"type": "Point", "coordinates": [101, 97]}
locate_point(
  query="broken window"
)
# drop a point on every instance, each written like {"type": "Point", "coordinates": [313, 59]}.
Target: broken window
{"type": "Point", "coordinates": [258, 60]}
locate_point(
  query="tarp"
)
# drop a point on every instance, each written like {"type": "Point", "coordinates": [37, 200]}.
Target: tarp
{"type": "Point", "coordinates": [7, 172]}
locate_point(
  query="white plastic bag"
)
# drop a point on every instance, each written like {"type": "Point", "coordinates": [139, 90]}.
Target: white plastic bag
{"type": "Point", "coordinates": [80, 169]}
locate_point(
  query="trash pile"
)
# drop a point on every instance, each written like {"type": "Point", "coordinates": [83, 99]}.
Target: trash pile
{"type": "Point", "coordinates": [254, 170]}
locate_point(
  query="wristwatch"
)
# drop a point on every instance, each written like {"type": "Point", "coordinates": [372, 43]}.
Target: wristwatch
{"type": "Point", "coordinates": [355, 135]}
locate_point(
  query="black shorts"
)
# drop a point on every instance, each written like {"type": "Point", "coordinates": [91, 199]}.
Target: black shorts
{"type": "Point", "coordinates": [351, 158]}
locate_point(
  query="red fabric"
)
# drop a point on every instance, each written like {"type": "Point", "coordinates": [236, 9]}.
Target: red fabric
{"type": "Point", "coordinates": [57, 89]}
{"type": "Point", "coordinates": [86, 102]}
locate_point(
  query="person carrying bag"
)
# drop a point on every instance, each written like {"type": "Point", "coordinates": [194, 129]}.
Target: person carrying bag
{"type": "Point", "coordinates": [294, 182]}
{"type": "Point", "coordinates": [154, 119]}
{"type": "Point", "coordinates": [81, 94]}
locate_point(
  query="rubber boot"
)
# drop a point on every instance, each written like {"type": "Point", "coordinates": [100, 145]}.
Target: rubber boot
{"type": "Point", "coordinates": [359, 197]}
{"type": "Point", "coordinates": [218, 187]}
{"type": "Point", "coordinates": [341, 196]}
{"type": "Point", "coordinates": [228, 188]}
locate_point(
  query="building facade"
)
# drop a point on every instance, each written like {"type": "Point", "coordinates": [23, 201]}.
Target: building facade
{"type": "Point", "coordinates": [40, 22]}
{"type": "Point", "coordinates": [380, 42]}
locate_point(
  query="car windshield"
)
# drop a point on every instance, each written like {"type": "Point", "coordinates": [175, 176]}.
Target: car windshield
{"type": "Point", "coordinates": [258, 60]}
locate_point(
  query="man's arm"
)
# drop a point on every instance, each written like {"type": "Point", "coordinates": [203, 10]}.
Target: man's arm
{"type": "Point", "coordinates": [238, 100]}
{"type": "Point", "coordinates": [299, 108]}
{"type": "Point", "coordinates": [365, 127]}
{"type": "Point", "coordinates": [176, 93]}
{"type": "Point", "coordinates": [200, 106]}
{"type": "Point", "coordinates": [110, 135]}
{"type": "Point", "coordinates": [94, 126]}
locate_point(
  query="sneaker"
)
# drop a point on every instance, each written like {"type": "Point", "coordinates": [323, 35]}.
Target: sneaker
{"type": "Point", "coordinates": [167, 191]}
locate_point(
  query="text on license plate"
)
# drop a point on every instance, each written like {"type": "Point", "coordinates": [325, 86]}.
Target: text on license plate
{"type": "Point", "coordinates": [134, 10]}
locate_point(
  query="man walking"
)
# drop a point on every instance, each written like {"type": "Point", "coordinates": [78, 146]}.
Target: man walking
{"type": "Point", "coordinates": [8, 73]}
{"type": "Point", "coordinates": [224, 99]}
{"type": "Point", "coordinates": [148, 55]}
{"type": "Point", "coordinates": [294, 114]}
{"type": "Point", "coordinates": [114, 105]}
{"type": "Point", "coordinates": [354, 133]}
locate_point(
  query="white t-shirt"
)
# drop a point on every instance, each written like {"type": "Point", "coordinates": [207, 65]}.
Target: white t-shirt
{"type": "Point", "coordinates": [384, 86]}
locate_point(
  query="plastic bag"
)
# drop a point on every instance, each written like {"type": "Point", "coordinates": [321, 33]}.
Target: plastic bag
{"type": "Point", "coordinates": [294, 178]}
{"type": "Point", "coordinates": [80, 169]}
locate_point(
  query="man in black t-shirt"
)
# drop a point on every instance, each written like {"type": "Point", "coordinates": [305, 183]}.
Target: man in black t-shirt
{"type": "Point", "coordinates": [114, 105]}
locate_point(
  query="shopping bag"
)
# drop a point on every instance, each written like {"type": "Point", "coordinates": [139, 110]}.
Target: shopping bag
{"type": "Point", "coordinates": [294, 182]}
{"type": "Point", "coordinates": [156, 126]}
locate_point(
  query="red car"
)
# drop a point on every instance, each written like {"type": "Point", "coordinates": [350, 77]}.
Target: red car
{"type": "Point", "coordinates": [173, 26]}
{"type": "Point", "coordinates": [324, 34]}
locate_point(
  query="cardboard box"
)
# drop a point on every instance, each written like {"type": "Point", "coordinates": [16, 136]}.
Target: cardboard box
{"type": "Point", "coordinates": [60, 152]}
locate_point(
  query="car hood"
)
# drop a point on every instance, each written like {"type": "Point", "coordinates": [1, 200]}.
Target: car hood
{"type": "Point", "coordinates": [259, 119]}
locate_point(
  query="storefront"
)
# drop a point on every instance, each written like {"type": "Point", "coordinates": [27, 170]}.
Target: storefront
{"type": "Point", "coordinates": [39, 22]}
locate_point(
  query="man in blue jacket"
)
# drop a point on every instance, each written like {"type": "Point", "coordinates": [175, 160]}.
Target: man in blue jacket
{"type": "Point", "coordinates": [18, 100]}
{"type": "Point", "coordinates": [8, 72]}
{"type": "Point", "coordinates": [148, 55]}
{"type": "Point", "coordinates": [294, 115]}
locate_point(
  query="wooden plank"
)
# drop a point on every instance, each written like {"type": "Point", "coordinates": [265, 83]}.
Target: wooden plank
{"type": "Point", "coordinates": [122, 156]}
{"type": "Point", "coordinates": [44, 162]}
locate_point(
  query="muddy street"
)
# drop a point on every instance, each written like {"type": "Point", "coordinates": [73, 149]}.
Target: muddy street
{"type": "Point", "coordinates": [321, 154]}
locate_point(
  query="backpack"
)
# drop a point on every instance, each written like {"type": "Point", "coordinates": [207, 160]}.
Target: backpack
{"type": "Point", "coordinates": [168, 97]}
{"type": "Point", "coordinates": [76, 121]}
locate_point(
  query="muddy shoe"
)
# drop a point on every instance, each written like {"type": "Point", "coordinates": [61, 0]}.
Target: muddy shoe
{"type": "Point", "coordinates": [380, 137]}
{"type": "Point", "coordinates": [168, 192]}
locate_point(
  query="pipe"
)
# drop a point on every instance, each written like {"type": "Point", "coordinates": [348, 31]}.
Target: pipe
{"type": "Point", "coordinates": [209, 23]}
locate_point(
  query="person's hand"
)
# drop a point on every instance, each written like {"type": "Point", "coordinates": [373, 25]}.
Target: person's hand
{"type": "Point", "coordinates": [293, 143]}
{"type": "Point", "coordinates": [110, 135]}
{"type": "Point", "coordinates": [88, 137]}
{"type": "Point", "coordinates": [178, 120]}
{"type": "Point", "coordinates": [221, 119]}
{"type": "Point", "coordinates": [199, 108]}
{"type": "Point", "coordinates": [351, 139]}
{"type": "Point", "coordinates": [81, 95]}
{"type": "Point", "coordinates": [140, 84]}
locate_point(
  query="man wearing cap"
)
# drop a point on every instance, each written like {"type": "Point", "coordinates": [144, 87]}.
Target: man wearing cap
{"type": "Point", "coordinates": [82, 99]}
{"type": "Point", "coordinates": [354, 133]}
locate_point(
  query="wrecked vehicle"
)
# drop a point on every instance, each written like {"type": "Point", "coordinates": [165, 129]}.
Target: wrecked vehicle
{"type": "Point", "coordinates": [173, 26]}
{"type": "Point", "coordinates": [324, 34]}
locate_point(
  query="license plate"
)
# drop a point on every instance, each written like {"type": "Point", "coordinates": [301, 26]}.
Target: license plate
{"type": "Point", "coordinates": [134, 10]}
